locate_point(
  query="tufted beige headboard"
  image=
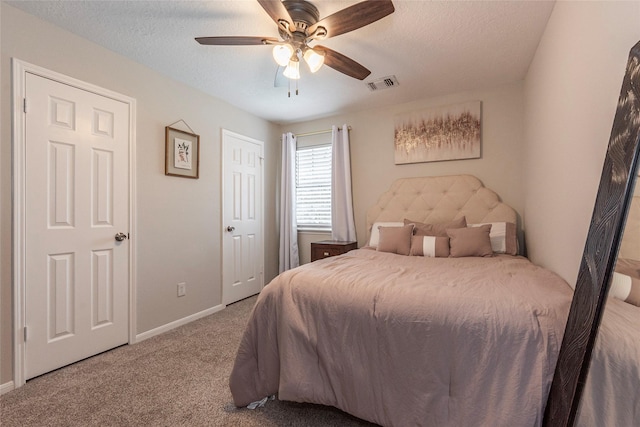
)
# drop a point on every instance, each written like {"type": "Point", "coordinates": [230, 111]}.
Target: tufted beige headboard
{"type": "Point", "coordinates": [439, 199]}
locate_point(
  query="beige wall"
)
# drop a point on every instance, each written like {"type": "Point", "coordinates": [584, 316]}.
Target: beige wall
{"type": "Point", "coordinates": [176, 241]}
{"type": "Point", "coordinates": [304, 243]}
{"type": "Point", "coordinates": [372, 156]}
{"type": "Point", "coordinates": [571, 92]}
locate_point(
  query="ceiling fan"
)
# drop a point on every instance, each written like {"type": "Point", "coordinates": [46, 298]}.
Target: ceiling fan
{"type": "Point", "coordinates": [299, 25]}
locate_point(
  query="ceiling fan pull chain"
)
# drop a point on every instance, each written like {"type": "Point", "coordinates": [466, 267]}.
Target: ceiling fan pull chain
{"type": "Point", "coordinates": [289, 91]}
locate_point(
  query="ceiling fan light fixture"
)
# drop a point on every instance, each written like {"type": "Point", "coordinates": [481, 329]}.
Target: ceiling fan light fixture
{"type": "Point", "coordinates": [313, 59]}
{"type": "Point", "coordinates": [293, 69]}
{"type": "Point", "coordinates": [299, 24]}
{"type": "Point", "coordinates": [282, 54]}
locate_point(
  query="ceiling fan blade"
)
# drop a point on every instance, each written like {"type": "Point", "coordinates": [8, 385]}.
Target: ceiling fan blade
{"type": "Point", "coordinates": [354, 17]}
{"type": "Point", "coordinates": [235, 40]}
{"type": "Point", "coordinates": [276, 10]}
{"type": "Point", "coordinates": [342, 63]}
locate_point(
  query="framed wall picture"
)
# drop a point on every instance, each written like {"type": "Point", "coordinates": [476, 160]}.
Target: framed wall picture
{"type": "Point", "coordinates": [436, 134]}
{"type": "Point", "coordinates": [182, 153]}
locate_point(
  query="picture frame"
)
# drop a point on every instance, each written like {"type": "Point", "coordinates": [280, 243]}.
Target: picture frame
{"type": "Point", "coordinates": [451, 132]}
{"type": "Point", "coordinates": [182, 153]}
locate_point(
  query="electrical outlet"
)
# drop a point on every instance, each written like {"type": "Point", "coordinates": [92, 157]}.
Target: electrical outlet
{"type": "Point", "coordinates": [182, 289]}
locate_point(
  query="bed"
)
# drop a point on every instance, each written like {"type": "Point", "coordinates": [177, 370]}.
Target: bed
{"type": "Point", "coordinates": [417, 338]}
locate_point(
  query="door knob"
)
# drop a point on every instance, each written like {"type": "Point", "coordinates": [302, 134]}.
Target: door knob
{"type": "Point", "coordinates": [230, 228]}
{"type": "Point", "coordinates": [120, 237]}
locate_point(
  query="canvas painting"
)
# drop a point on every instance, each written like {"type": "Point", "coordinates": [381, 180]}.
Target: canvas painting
{"type": "Point", "coordinates": [437, 134]}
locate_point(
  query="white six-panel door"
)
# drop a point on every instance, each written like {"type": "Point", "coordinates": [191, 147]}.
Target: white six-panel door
{"type": "Point", "coordinates": [242, 240]}
{"type": "Point", "coordinates": [76, 200]}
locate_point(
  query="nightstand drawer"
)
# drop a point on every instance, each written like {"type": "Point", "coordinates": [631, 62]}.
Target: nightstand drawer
{"type": "Point", "coordinates": [329, 248]}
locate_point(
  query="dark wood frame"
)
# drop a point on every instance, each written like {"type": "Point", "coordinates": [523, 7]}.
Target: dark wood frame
{"type": "Point", "coordinates": [600, 252]}
{"type": "Point", "coordinates": [169, 135]}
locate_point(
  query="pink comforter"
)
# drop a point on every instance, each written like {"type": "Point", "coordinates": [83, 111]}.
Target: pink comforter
{"type": "Point", "coordinates": [408, 341]}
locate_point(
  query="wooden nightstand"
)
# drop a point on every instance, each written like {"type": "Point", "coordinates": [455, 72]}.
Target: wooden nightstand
{"type": "Point", "coordinates": [327, 248]}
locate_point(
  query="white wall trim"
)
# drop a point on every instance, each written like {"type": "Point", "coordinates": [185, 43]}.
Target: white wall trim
{"type": "Point", "coordinates": [6, 387]}
{"type": "Point", "coordinates": [17, 201]}
{"type": "Point", "coordinates": [169, 326]}
{"type": "Point", "coordinates": [20, 70]}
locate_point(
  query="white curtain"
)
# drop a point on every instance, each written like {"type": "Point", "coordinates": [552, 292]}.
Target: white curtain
{"type": "Point", "coordinates": [342, 223]}
{"type": "Point", "coordinates": [288, 228]}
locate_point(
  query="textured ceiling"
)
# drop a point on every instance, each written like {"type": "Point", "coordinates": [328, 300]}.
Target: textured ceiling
{"type": "Point", "coordinates": [432, 47]}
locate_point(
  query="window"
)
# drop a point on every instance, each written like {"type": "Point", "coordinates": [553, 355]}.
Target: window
{"type": "Point", "coordinates": [313, 187]}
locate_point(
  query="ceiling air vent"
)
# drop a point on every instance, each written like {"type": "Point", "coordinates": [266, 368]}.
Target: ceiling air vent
{"type": "Point", "coordinates": [383, 83]}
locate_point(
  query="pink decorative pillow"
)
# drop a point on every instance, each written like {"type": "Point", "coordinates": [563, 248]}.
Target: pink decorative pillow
{"type": "Point", "coordinates": [504, 238]}
{"type": "Point", "coordinates": [474, 241]}
{"type": "Point", "coordinates": [430, 246]}
{"type": "Point", "coordinates": [396, 240]}
{"type": "Point", "coordinates": [375, 235]}
{"type": "Point", "coordinates": [439, 229]}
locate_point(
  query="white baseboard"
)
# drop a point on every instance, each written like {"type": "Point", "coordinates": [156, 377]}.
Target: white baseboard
{"type": "Point", "coordinates": [6, 387]}
{"type": "Point", "coordinates": [169, 326]}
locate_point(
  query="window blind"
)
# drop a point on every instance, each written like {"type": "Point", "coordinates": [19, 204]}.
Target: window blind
{"type": "Point", "coordinates": [313, 187]}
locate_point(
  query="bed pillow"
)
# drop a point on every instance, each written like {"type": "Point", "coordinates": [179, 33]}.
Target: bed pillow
{"type": "Point", "coordinates": [625, 284]}
{"type": "Point", "coordinates": [504, 239]}
{"type": "Point", "coordinates": [439, 229]}
{"type": "Point", "coordinates": [472, 241]}
{"type": "Point", "coordinates": [396, 240]}
{"type": "Point", "coordinates": [429, 246]}
{"type": "Point", "coordinates": [375, 234]}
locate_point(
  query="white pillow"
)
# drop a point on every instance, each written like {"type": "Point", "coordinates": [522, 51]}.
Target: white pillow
{"type": "Point", "coordinates": [620, 286]}
{"type": "Point", "coordinates": [375, 233]}
{"type": "Point", "coordinates": [625, 284]}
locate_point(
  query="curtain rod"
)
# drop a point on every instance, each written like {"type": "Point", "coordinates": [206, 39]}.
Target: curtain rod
{"type": "Point", "coordinates": [318, 132]}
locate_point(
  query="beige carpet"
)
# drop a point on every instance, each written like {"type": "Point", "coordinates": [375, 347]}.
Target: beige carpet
{"type": "Point", "coordinates": [179, 378]}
